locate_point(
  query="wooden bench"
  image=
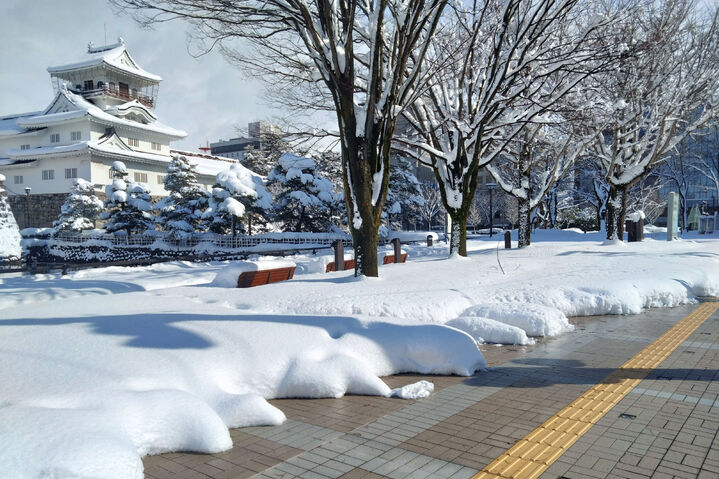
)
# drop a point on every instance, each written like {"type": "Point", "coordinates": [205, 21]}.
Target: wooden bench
{"type": "Point", "coordinates": [349, 264]}
{"type": "Point", "coordinates": [389, 259]}
{"type": "Point", "coordinates": [249, 279]}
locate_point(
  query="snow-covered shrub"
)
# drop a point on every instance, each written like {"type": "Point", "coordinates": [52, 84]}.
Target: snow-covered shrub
{"type": "Point", "coordinates": [9, 232]}
{"type": "Point", "coordinates": [81, 208]}
{"type": "Point", "coordinates": [304, 200]}
{"type": "Point", "coordinates": [237, 194]}
{"type": "Point", "coordinates": [128, 204]}
{"type": "Point", "coordinates": [180, 213]}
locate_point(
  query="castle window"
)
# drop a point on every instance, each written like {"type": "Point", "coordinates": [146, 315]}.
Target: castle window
{"type": "Point", "coordinates": [55, 138]}
{"type": "Point", "coordinates": [111, 86]}
{"type": "Point", "coordinates": [18, 180]}
{"type": "Point", "coordinates": [156, 146]}
{"type": "Point", "coordinates": [70, 172]}
{"type": "Point", "coordinates": [88, 85]}
{"type": "Point", "coordinates": [160, 179]}
{"type": "Point", "coordinates": [140, 177]}
{"type": "Point", "coordinates": [76, 135]}
{"type": "Point", "coordinates": [48, 174]}
{"type": "Point", "coordinates": [100, 85]}
{"type": "Point", "coordinates": [133, 142]}
{"type": "Point", "coordinates": [24, 147]}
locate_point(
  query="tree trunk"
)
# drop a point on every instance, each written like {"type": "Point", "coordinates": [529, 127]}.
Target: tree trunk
{"type": "Point", "coordinates": [365, 241]}
{"type": "Point", "coordinates": [525, 224]}
{"type": "Point", "coordinates": [458, 235]}
{"type": "Point", "coordinates": [363, 216]}
{"type": "Point", "coordinates": [249, 225]}
{"type": "Point", "coordinates": [622, 216]}
{"type": "Point", "coordinates": [599, 218]}
{"type": "Point", "coordinates": [616, 212]}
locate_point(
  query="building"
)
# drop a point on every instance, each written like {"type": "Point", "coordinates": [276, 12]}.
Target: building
{"type": "Point", "coordinates": [103, 111]}
{"type": "Point", "coordinates": [236, 148]}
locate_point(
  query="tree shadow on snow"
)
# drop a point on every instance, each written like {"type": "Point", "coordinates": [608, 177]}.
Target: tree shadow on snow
{"type": "Point", "coordinates": [165, 331]}
{"type": "Point", "coordinates": [530, 373]}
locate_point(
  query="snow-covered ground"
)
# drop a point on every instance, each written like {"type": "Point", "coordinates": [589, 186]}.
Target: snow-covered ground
{"type": "Point", "coordinates": [103, 366]}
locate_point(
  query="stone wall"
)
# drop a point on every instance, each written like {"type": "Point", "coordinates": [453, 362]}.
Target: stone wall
{"type": "Point", "coordinates": [44, 209]}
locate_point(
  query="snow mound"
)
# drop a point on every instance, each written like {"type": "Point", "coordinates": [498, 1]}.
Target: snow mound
{"type": "Point", "coordinates": [418, 390]}
{"type": "Point", "coordinates": [485, 330]}
{"type": "Point", "coordinates": [227, 277]}
{"type": "Point", "coordinates": [316, 374]}
{"type": "Point", "coordinates": [534, 319]}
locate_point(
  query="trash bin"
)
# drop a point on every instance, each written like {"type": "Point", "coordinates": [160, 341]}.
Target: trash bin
{"type": "Point", "coordinates": [635, 230]}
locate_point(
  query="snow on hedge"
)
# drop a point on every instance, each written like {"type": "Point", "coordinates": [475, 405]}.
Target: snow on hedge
{"type": "Point", "coordinates": [9, 232]}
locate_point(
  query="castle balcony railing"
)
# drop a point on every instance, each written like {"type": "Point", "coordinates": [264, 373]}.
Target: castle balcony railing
{"type": "Point", "coordinates": [121, 94]}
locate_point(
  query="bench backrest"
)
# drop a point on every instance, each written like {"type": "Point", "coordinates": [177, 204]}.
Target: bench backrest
{"type": "Point", "coordinates": [249, 279]}
{"type": "Point", "coordinates": [389, 259]}
{"type": "Point", "coordinates": [349, 264]}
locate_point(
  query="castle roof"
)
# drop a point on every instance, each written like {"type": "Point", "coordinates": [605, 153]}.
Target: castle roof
{"type": "Point", "coordinates": [67, 106]}
{"type": "Point", "coordinates": [113, 56]}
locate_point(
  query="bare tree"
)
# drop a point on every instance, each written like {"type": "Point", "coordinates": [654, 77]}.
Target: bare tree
{"type": "Point", "coordinates": [656, 97]}
{"type": "Point", "coordinates": [707, 161]}
{"type": "Point", "coordinates": [531, 165]}
{"type": "Point", "coordinates": [509, 61]}
{"type": "Point", "coordinates": [645, 196]}
{"type": "Point", "coordinates": [361, 57]}
{"type": "Point", "coordinates": [432, 203]}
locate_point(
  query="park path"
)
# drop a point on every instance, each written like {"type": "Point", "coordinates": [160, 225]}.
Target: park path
{"type": "Point", "coordinates": [655, 414]}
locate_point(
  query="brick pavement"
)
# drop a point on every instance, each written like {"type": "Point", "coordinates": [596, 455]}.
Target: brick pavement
{"type": "Point", "coordinates": [468, 422]}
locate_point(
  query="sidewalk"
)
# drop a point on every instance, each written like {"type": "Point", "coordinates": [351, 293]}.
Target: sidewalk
{"type": "Point", "coordinates": [666, 426]}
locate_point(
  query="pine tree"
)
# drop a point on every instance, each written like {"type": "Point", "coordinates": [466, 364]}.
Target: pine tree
{"type": "Point", "coordinates": [304, 199]}
{"type": "Point", "coordinates": [180, 213]}
{"type": "Point", "coordinates": [404, 198]}
{"type": "Point", "coordinates": [81, 208]}
{"type": "Point", "coordinates": [238, 194]}
{"type": "Point", "coordinates": [9, 232]}
{"type": "Point", "coordinates": [261, 161]}
{"type": "Point", "coordinates": [329, 165]}
{"type": "Point", "coordinates": [127, 204]}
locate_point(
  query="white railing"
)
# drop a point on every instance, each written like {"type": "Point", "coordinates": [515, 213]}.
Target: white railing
{"type": "Point", "coordinates": [223, 241]}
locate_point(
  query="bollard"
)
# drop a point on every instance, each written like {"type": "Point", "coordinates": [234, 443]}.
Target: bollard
{"type": "Point", "coordinates": [507, 240]}
{"type": "Point", "coordinates": [397, 249]}
{"type": "Point", "coordinates": [339, 248]}
{"type": "Point", "coordinates": [429, 240]}
{"type": "Point", "coordinates": [64, 269]}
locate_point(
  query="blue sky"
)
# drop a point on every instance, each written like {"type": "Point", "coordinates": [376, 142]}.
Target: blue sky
{"type": "Point", "coordinates": [204, 96]}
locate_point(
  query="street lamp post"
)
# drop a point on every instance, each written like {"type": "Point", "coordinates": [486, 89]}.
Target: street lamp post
{"type": "Point", "coordinates": [27, 206]}
{"type": "Point", "coordinates": [491, 187]}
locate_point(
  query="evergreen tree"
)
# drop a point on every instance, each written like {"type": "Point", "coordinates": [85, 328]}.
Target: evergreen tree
{"type": "Point", "coordinates": [261, 161]}
{"type": "Point", "coordinates": [404, 198]}
{"type": "Point", "coordinates": [238, 194]}
{"type": "Point", "coordinates": [9, 232]}
{"type": "Point", "coordinates": [127, 204]}
{"type": "Point", "coordinates": [304, 199]}
{"type": "Point", "coordinates": [180, 213]}
{"type": "Point", "coordinates": [329, 165]}
{"type": "Point", "coordinates": [81, 208]}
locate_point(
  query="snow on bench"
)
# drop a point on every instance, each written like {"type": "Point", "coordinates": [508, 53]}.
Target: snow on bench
{"type": "Point", "coordinates": [247, 274]}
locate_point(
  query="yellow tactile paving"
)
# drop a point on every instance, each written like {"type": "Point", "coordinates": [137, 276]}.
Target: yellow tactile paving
{"type": "Point", "coordinates": [533, 454]}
